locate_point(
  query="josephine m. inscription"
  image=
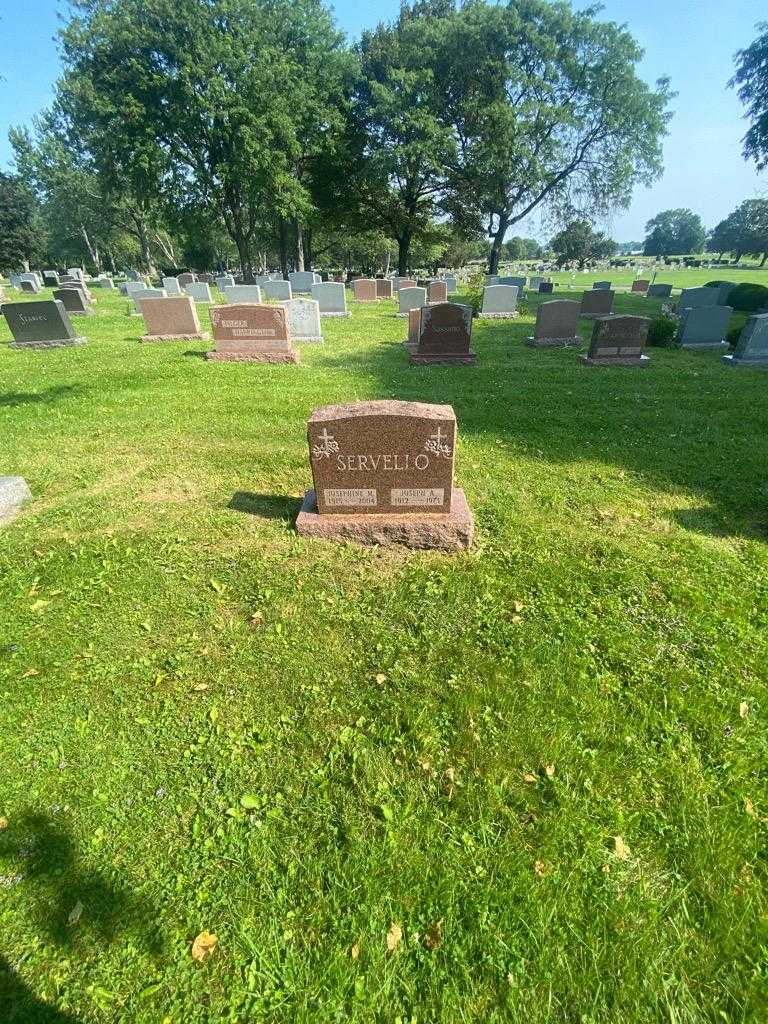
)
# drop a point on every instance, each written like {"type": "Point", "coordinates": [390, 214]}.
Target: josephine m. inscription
{"type": "Point", "coordinates": [383, 457]}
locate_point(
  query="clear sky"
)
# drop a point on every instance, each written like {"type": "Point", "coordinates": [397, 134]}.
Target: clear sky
{"type": "Point", "coordinates": [691, 41]}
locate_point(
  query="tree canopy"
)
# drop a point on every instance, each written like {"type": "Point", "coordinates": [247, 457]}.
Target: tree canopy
{"type": "Point", "coordinates": [674, 233]}
{"type": "Point", "coordinates": [751, 81]}
{"type": "Point", "coordinates": [743, 231]}
{"type": "Point", "coordinates": [579, 243]}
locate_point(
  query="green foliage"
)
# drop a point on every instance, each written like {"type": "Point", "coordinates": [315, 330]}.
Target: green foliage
{"type": "Point", "coordinates": [748, 298]}
{"type": "Point", "coordinates": [473, 293]}
{"type": "Point", "coordinates": [517, 248]}
{"type": "Point", "coordinates": [20, 229]}
{"type": "Point", "coordinates": [743, 231]}
{"type": "Point", "coordinates": [579, 243]}
{"type": "Point", "coordinates": [662, 331]}
{"type": "Point", "coordinates": [751, 78]}
{"type": "Point", "coordinates": [674, 232]}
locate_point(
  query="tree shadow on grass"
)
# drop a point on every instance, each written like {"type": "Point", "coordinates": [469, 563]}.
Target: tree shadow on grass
{"type": "Point", "coordinates": [266, 506]}
{"type": "Point", "coordinates": [686, 423]}
{"type": "Point", "coordinates": [68, 901]}
{"type": "Point", "coordinates": [19, 1005]}
{"type": "Point", "coordinates": [15, 398]}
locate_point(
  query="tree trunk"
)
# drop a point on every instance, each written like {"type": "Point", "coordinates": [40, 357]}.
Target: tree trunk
{"type": "Point", "coordinates": [299, 245]}
{"type": "Point", "coordinates": [283, 246]}
{"type": "Point", "coordinates": [93, 252]}
{"type": "Point", "coordinates": [308, 255]}
{"type": "Point", "coordinates": [244, 253]}
{"type": "Point", "coordinates": [403, 253]}
{"type": "Point", "coordinates": [765, 257]}
{"type": "Point", "coordinates": [498, 241]}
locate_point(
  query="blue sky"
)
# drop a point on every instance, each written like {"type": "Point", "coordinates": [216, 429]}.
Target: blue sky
{"type": "Point", "coordinates": [691, 41]}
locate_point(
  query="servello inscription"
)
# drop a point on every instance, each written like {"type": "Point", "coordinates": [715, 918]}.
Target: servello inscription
{"type": "Point", "coordinates": [383, 457]}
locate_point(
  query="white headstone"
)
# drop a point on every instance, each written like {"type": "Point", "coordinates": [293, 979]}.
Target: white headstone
{"type": "Point", "coordinates": [331, 297]}
{"type": "Point", "coordinates": [200, 291]}
{"type": "Point", "coordinates": [301, 280]}
{"type": "Point", "coordinates": [411, 298]}
{"type": "Point", "coordinates": [242, 293]}
{"type": "Point", "coordinates": [303, 319]}
{"type": "Point", "coordinates": [500, 301]}
{"type": "Point", "coordinates": [172, 286]}
{"type": "Point", "coordinates": [279, 290]}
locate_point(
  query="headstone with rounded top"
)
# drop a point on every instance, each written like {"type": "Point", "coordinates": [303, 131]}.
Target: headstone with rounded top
{"type": "Point", "coordinates": [618, 341]}
{"type": "Point", "coordinates": [331, 297]}
{"type": "Point", "coordinates": [445, 335]}
{"type": "Point", "coordinates": [40, 325]}
{"type": "Point", "coordinates": [383, 474]}
{"type": "Point", "coordinates": [172, 286]}
{"type": "Point", "coordinates": [171, 318]}
{"type": "Point", "coordinates": [557, 324]}
{"type": "Point", "coordinates": [752, 347]}
{"type": "Point", "coordinates": [249, 333]}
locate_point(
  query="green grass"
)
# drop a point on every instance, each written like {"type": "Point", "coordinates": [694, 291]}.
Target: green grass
{"type": "Point", "coordinates": [209, 722]}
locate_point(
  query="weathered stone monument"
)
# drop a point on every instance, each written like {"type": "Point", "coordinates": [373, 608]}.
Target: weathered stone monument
{"type": "Point", "coordinates": [200, 291]}
{"type": "Point", "coordinates": [301, 281]}
{"type": "Point", "coordinates": [249, 333]}
{"type": "Point", "coordinates": [383, 474]}
{"type": "Point", "coordinates": [445, 334]}
{"type": "Point", "coordinates": [704, 327]}
{"type": "Point", "coordinates": [14, 494]}
{"type": "Point", "coordinates": [304, 320]}
{"type": "Point", "coordinates": [172, 318]}
{"type": "Point", "coordinates": [186, 278]}
{"type": "Point", "coordinates": [364, 289]}
{"type": "Point", "coordinates": [242, 293]}
{"type": "Point", "coordinates": [50, 279]}
{"type": "Point", "coordinates": [618, 341]}
{"type": "Point", "coordinates": [74, 301]}
{"type": "Point", "coordinates": [690, 297]}
{"type": "Point", "coordinates": [534, 281]}
{"type": "Point", "coordinates": [137, 294]}
{"type": "Point", "coordinates": [437, 291]}
{"type": "Point", "coordinates": [450, 283]}
{"type": "Point", "coordinates": [752, 347]}
{"type": "Point", "coordinates": [557, 324]}
{"type": "Point", "coordinates": [597, 303]}
{"type": "Point", "coordinates": [39, 325]}
{"type": "Point", "coordinates": [603, 286]}
{"type": "Point", "coordinates": [546, 288]}
{"type": "Point", "coordinates": [331, 297]}
{"type": "Point", "coordinates": [224, 281]}
{"type": "Point", "coordinates": [383, 288]}
{"type": "Point", "coordinates": [27, 285]}
{"type": "Point", "coordinates": [410, 298]}
{"type": "Point", "coordinates": [279, 291]}
{"type": "Point", "coordinates": [514, 282]}
{"type": "Point", "coordinates": [500, 302]}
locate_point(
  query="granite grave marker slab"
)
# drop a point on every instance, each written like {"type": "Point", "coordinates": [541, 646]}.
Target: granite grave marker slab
{"type": "Point", "coordinates": [704, 327]}
{"type": "Point", "coordinates": [500, 302]}
{"type": "Point", "coordinates": [14, 494]}
{"type": "Point", "coordinates": [546, 288]}
{"type": "Point", "coordinates": [597, 303]}
{"type": "Point", "coordinates": [445, 334]}
{"type": "Point", "coordinates": [437, 291]}
{"type": "Point", "coordinates": [301, 281]}
{"type": "Point", "coordinates": [249, 333]}
{"type": "Point", "coordinates": [690, 297]}
{"type": "Point", "coordinates": [280, 290]}
{"type": "Point", "coordinates": [200, 291]}
{"type": "Point", "coordinates": [383, 288]}
{"type": "Point", "coordinates": [601, 286]}
{"type": "Point", "coordinates": [242, 293]}
{"type": "Point", "coordinates": [752, 347]}
{"type": "Point", "coordinates": [304, 320]}
{"type": "Point", "coordinates": [641, 285]}
{"type": "Point", "coordinates": [331, 297]}
{"type": "Point", "coordinates": [618, 341]}
{"type": "Point", "coordinates": [137, 294]}
{"type": "Point", "coordinates": [557, 324]}
{"type": "Point", "coordinates": [74, 301]}
{"type": "Point", "coordinates": [659, 291]}
{"type": "Point", "coordinates": [40, 325]}
{"type": "Point", "coordinates": [364, 289]}
{"type": "Point", "coordinates": [170, 319]}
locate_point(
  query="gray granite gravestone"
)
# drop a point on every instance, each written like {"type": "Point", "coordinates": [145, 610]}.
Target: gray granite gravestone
{"type": "Point", "coordinates": [242, 293]}
{"type": "Point", "coordinates": [618, 341]}
{"type": "Point", "coordinates": [30, 286]}
{"type": "Point", "coordinates": [332, 298]}
{"type": "Point", "coordinates": [704, 326]}
{"type": "Point", "coordinates": [410, 298]}
{"type": "Point", "coordinates": [303, 319]}
{"type": "Point", "coordinates": [752, 346]}
{"type": "Point", "coordinates": [44, 324]}
{"type": "Point", "coordinates": [516, 282]}
{"type": "Point", "coordinates": [500, 302]}
{"type": "Point", "coordinates": [225, 281]}
{"type": "Point", "coordinates": [74, 301]}
{"type": "Point", "coordinates": [690, 297]}
{"type": "Point", "coordinates": [50, 279]}
{"type": "Point", "coordinates": [145, 293]}
{"type": "Point", "coordinates": [200, 291]}
{"type": "Point", "coordinates": [172, 286]}
{"type": "Point", "coordinates": [279, 290]}
{"type": "Point", "coordinates": [301, 281]}
{"type": "Point", "coordinates": [601, 286]}
{"type": "Point", "coordinates": [659, 291]}
{"type": "Point", "coordinates": [597, 303]}
{"type": "Point", "coordinates": [557, 324]}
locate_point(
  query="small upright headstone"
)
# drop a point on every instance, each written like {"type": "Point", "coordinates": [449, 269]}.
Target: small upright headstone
{"type": "Point", "coordinates": [206, 278]}
{"type": "Point", "coordinates": [74, 301]}
{"type": "Point", "coordinates": [137, 294]}
{"type": "Point", "coordinates": [104, 282]}
{"type": "Point", "coordinates": [597, 303]}
{"type": "Point", "coordinates": [304, 319]}
{"type": "Point", "coordinates": [364, 289]}
{"type": "Point", "coordinates": [414, 323]}
{"type": "Point", "coordinates": [225, 281]}
{"type": "Point", "coordinates": [301, 281]}
{"type": "Point", "coordinates": [618, 341]}
{"type": "Point", "coordinates": [450, 282]}
{"type": "Point", "coordinates": [242, 293]}
{"type": "Point", "coordinates": [690, 297]}
{"type": "Point", "coordinates": [172, 286]}
{"type": "Point", "coordinates": [278, 290]}
{"type": "Point", "coordinates": [641, 286]}
{"type": "Point", "coordinates": [132, 275]}
{"type": "Point", "coordinates": [30, 286]}
{"type": "Point", "coordinates": [752, 347]}
{"type": "Point", "coordinates": [603, 286]}
{"type": "Point", "coordinates": [557, 324]}
{"type": "Point", "coordinates": [437, 291]}
{"type": "Point", "coordinates": [534, 282]}
{"type": "Point", "coordinates": [50, 279]}
{"type": "Point", "coordinates": [659, 291]}
{"type": "Point", "coordinates": [546, 288]}
{"type": "Point", "coordinates": [514, 282]}
{"type": "Point", "coordinates": [383, 474]}
{"type": "Point", "coordinates": [14, 494]}
{"type": "Point", "coordinates": [200, 291]}
{"type": "Point", "coordinates": [704, 327]}
{"type": "Point", "coordinates": [724, 291]}
{"type": "Point", "coordinates": [445, 334]}
{"type": "Point", "coordinates": [331, 297]}
{"type": "Point", "coordinates": [186, 278]}
{"type": "Point", "coordinates": [491, 279]}
{"type": "Point", "coordinates": [500, 302]}
{"type": "Point", "coordinates": [406, 282]}
{"type": "Point", "coordinates": [248, 333]}
{"type": "Point", "coordinates": [170, 319]}
{"type": "Point", "coordinates": [410, 298]}
{"type": "Point", "coordinates": [383, 288]}
{"type": "Point", "coordinates": [43, 324]}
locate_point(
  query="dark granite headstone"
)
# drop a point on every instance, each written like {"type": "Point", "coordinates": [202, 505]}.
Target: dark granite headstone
{"type": "Point", "coordinates": [74, 301]}
{"type": "Point", "coordinates": [445, 333]}
{"type": "Point", "coordinates": [40, 325]}
{"type": "Point", "coordinates": [618, 341]}
{"type": "Point", "coordinates": [752, 346]}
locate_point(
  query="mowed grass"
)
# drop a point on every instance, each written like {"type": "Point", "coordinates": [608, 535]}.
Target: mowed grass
{"type": "Point", "coordinates": [543, 761]}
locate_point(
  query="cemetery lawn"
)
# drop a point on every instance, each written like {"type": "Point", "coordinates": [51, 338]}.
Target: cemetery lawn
{"type": "Point", "coordinates": [523, 783]}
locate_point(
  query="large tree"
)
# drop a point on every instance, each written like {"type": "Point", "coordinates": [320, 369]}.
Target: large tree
{"type": "Point", "coordinates": [743, 231]}
{"type": "Point", "coordinates": [751, 79]}
{"type": "Point", "coordinates": [546, 107]}
{"type": "Point", "coordinates": [221, 103]}
{"type": "Point", "coordinates": [579, 243]}
{"type": "Point", "coordinates": [674, 233]}
{"type": "Point", "coordinates": [21, 236]}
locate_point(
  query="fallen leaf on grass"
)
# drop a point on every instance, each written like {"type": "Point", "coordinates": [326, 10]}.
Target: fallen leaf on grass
{"type": "Point", "coordinates": [394, 935]}
{"type": "Point", "coordinates": [539, 868]}
{"type": "Point", "coordinates": [529, 777]}
{"type": "Point", "coordinates": [199, 687]}
{"type": "Point", "coordinates": [381, 678]}
{"type": "Point", "coordinates": [75, 914]}
{"type": "Point", "coordinates": [434, 937]}
{"type": "Point", "coordinates": [215, 585]}
{"type": "Point", "coordinates": [355, 951]}
{"type": "Point", "coordinates": [620, 848]}
{"type": "Point", "coordinates": [38, 605]}
{"type": "Point", "coordinates": [30, 672]}
{"type": "Point", "coordinates": [549, 771]}
{"type": "Point", "coordinates": [203, 946]}
{"type": "Point", "coordinates": [743, 709]}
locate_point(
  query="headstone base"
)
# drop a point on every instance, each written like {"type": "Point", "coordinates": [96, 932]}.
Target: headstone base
{"type": "Point", "coordinates": [498, 316]}
{"type": "Point", "coordinates": [453, 531]}
{"type": "Point", "coordinates": [751, 364]}
{"type": "Point", "coordinates": [347, 314]}
{"type": "Point", "coordinates": [553, 342]}
{"type": "Point", "coordinates": [707, 345]}
{"type": "Point", "coordinates": [314, 338]}
{"type": "Point", "coordinates": [81, 312]}
{"type": "Point", "coordinates": [202, 336]}
{"type": "Point", "coordinates": [616, 361]}
{"type": "Point", "coordinates": [595, 316]}
{"type": "Point", "coordinates": [253, 357]}
{"type": "Point", "coordinates": [14, 492]}
{"type": "Point", "coordinates": [435, 358]}
{"type": "Point", "coordinates": [58, 343]}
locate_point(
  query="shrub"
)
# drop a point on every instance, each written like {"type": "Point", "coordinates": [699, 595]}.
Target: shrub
{"type": "Point", "coordinates": [474, 291]}
{"type": "Point", "coordinates": [732, 336]}
{"type": "Point", "coordinates": [748, 298]}
{"type": "Point", "coordinates": [661, 331]}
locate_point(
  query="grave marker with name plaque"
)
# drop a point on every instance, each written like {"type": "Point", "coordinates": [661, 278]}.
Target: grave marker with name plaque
{"type": "Point", "coordinates": [250, 333]}
{"type": "Point", "coordinates": [40, 325]}
{"type": "Point", "coordinates": [445, 334]}
{"type": "Point", "coordinates": [383, 474]}
{"type": "Point", "coordinates": [618, 341]}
